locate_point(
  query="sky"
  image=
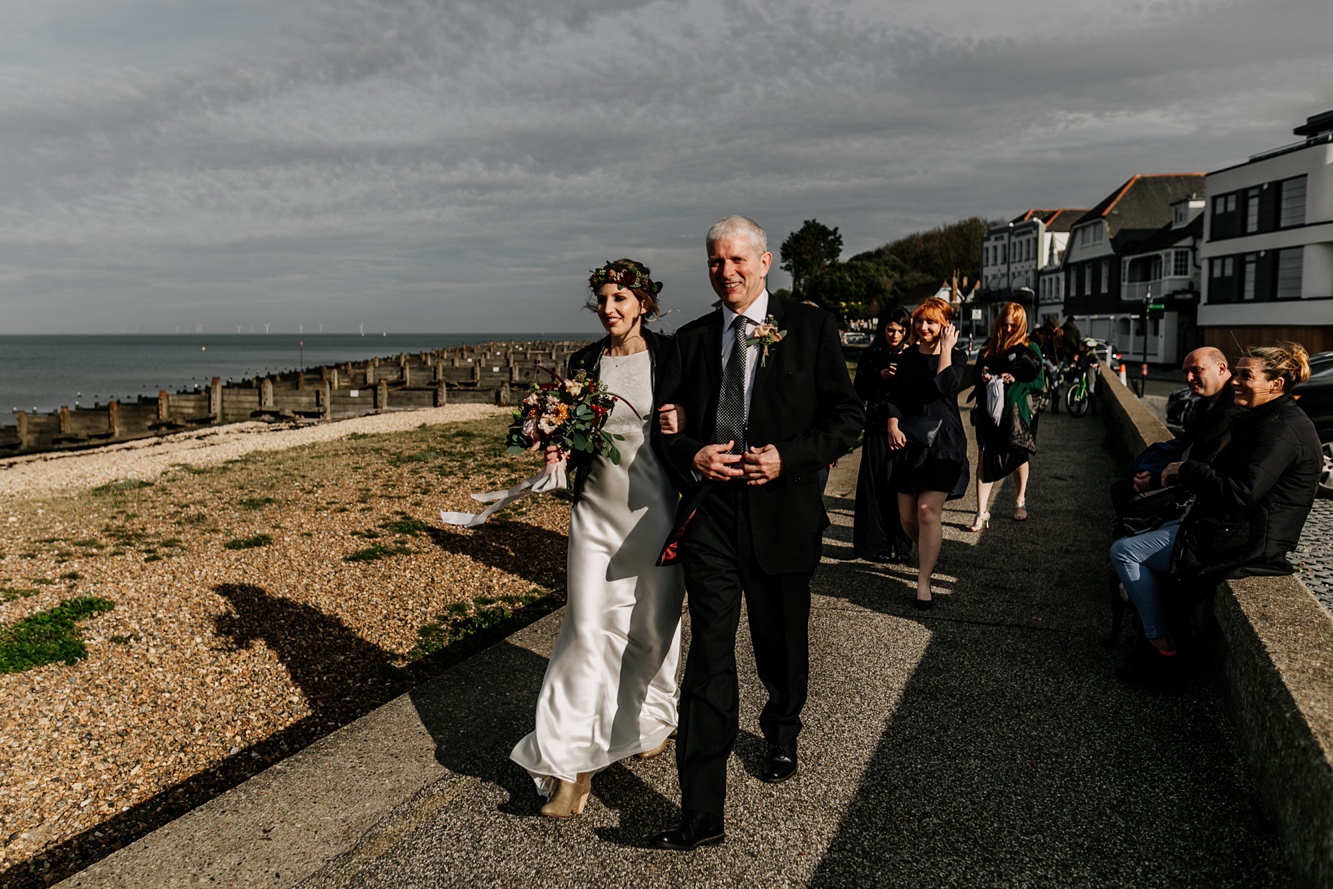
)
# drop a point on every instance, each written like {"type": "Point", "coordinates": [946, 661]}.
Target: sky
{"type": "Point", "coordinates": [460, 165]}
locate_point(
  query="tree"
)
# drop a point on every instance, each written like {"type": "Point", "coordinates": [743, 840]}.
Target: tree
{"type": "Point", "coordinates": [937, 254]}
{"type": "Point", "coordinates": [808, 250]}
{"type": "Point", "coordinates": [851, 289]}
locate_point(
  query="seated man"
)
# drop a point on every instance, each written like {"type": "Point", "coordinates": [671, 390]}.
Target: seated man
{"type": "Point", "coordinates": [1205, 433]}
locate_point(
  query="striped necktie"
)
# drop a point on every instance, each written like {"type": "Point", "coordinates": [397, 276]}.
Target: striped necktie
{"type": "Point", "coordinates": [730, 424]}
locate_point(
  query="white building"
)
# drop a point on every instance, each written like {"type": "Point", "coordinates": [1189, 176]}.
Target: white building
{"type": "Point", "coordinates": [1268, 246]}
{"type": "Point", "coordinates": [1013, 256]}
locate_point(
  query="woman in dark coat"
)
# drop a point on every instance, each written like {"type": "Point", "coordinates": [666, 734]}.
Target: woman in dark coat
{"type": "Point", "coordinates": [926, 386]}
{"type": "Point", "coordinates": [1005, 447]}
{"type": "Point", "coordinates": [1251, 500]}
{"type": "Point", "coordinates": [877, 531]}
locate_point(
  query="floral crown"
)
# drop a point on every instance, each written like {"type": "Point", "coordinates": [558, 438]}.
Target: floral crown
{"type": "Point", "coordinates": [629, 279]}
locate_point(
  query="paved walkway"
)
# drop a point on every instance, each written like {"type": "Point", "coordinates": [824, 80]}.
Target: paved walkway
{"type": "Point", "coordinates": [983, 743]}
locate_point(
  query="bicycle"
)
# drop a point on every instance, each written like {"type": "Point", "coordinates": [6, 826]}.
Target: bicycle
{"type": "Point", "coordinates": [1078, 398]}
{"type": "Point", "coordinates": [1049, 394]}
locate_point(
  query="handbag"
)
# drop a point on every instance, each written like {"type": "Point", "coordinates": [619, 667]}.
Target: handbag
{"type": "Point", "coordinates": [920, 431]}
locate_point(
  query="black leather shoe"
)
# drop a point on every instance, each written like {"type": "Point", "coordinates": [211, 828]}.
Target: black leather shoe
{"type": "Point", "coordinates": [696, 829]}
{"type": "Point", "coordinates": [781, 763]}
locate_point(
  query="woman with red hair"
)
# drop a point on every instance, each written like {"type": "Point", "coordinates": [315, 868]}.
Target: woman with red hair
{"type": "Point", "coordinates": [923, 420]}
{"type": "Point", "coordinates": [1011, 360]}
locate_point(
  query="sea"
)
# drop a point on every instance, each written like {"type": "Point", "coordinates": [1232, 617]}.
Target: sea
{"type": "Point", "coordinates": [41, 373]}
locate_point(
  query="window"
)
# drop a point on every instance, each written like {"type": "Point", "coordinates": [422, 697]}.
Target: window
{"type": "Point", "coordinates": [1004, 253]}
{"type": "Point", "coordinates": [1250, 277]}
{"type": "Point", "coordinates": [1251, 211]}
{"type": "Point", "coordinates": [1289, 273]}
{"type": "Point", "coordinates": [1106, 276]}
{"type": "Point", "coordinates": [1291, 206]}
{"type": "Point", "coordinates": [1180, 264]}
{"type": "Point", "coordinates": [1219, 205]}
{"type": "Point", "coordinates": [1096, 233]}
{"type": "Point", "coordinates": [1083, 237]}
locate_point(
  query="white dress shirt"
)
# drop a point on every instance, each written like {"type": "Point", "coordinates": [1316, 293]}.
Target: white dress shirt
{"type": "Point", "coordinates": [756, 314]}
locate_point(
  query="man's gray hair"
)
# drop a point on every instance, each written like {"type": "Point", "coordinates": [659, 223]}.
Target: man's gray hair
{"type": "Point", "coordinates": [739, 226]}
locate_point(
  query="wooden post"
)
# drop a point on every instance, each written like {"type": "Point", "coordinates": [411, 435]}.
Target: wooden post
{"type": "Point", "coordinates": [502, 395]}
{"type": "Point", "coordinates": [382, 395]}
{"type": "Point", "coordinates": [163, 406]}
{"type": "Point", "coordinates": [326, 400]}
{"type": "Point", "coordinates": [266, 394]}
{"type": "Point", "coordinates": [441, 394]}
{"type": "Point", "coordinates": [476, 372]}
{"type": "Point", "coordinates": [333, 379]}
{"type": "Point", "coordinates": [64, 420]}
{"type": "Point", "coordinates": [21, 419]}
{"type": "Point", "coordinates": [215, 400]}
{"type": "Point", "coordinates": [113, 419]}
{"type": "Point", "coordinates": [300, 380]}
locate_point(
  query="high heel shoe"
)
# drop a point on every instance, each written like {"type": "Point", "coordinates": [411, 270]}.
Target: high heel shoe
{"type": "Point", "coordinates": [1021, 512]}
{"type": "Point", "coordinates": [569, 798]}
{"type": "Point", "coordinates": [983, 520]}
{"type": "Point", "coordinates": [656, 751]}
{"type": "Point", "coordinates": [924, 604]}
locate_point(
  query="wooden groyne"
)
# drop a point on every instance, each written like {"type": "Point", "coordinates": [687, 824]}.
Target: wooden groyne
{"type": "Point", "coordinates": [484, 373]}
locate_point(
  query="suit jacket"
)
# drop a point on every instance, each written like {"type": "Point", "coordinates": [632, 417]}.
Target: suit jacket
{"type": "Point", "coordinates": [802, 402]}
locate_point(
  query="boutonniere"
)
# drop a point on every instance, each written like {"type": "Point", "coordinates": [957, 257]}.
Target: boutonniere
{"type": "Point", "coordinates": [765, 335]}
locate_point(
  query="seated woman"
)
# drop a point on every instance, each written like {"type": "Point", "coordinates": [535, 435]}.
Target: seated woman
{"type": "Point", "coordinates": [1251, 501]}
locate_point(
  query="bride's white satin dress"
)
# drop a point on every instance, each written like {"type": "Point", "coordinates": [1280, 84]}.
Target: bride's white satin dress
{"type": "Point", "coordinates": [610, 687]}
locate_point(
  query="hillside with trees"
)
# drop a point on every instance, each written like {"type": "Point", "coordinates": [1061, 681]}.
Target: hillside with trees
{"type": "Point", "coordinates": [895, 273]}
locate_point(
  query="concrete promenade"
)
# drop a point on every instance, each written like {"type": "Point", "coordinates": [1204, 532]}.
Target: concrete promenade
{"type": "Point", "coordinates": [982, 743]}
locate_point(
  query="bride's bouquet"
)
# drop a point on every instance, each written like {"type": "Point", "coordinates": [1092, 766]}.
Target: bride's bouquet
{"type": "Point", "coordinates": [569, 413]}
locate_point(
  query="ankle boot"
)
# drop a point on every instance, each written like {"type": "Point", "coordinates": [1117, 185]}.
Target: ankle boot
{"type": "Point", "coordinates": [569, 798]}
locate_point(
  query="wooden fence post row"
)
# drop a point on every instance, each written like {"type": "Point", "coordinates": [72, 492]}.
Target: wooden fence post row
{"type": "Point", "coordinates": [485, 373]}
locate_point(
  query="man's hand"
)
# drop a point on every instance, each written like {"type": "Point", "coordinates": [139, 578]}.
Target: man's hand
{"type": "Point", "coordinates": [1170, 473]}
{"type": "Point", "coordinates": [670, 418]}
{"type": "Point", "coordinates": [761, 465]}
{"type": "Point", "coordinates": [1142, 482]}
{"type": "Point", "coordinates": [715, 464]}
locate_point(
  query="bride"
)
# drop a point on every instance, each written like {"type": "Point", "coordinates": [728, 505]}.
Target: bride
{"type": "Point", "coordinates": [610, 687]}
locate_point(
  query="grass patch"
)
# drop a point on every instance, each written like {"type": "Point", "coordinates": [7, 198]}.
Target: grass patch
{"type": "Point", "coordinates": [463, 620]}
{"type": "Point", "coordinates": [378, 551]}
{"type": "Point", "coordinates": [90, 543]}
{"type": "Point", "coordinates": [48, 636]}
{"type": "Point", "coordinates": [429, 455]}
{"type": "Point", "coordinates": [125, 640]}
{"type": "Point", "coordinates": [120, 486]}
{"type": "Point", "coordinates": [9, 593]}
{"type": "Point", "coordinates": [248, 542]}
{"type": "Point", "coordinates": [257, 502]}
{"type": "Point", "coordinates": [71, 576]}
{"type": "Point", "coordinates": [406, 526]}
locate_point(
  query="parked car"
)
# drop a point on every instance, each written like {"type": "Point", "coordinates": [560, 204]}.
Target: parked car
{"type": "Point", "coordinates": [1315, 396]}
{"type": "Point", "coordinates": [1108, 355]}
{"type": "Point", "coordinates": [856, 338]}
{"type": "Point", "coordinates": [1180, 406]}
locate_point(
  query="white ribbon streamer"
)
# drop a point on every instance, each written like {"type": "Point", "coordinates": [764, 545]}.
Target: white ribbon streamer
{"type": "Point", "coordinates": [551, 478]}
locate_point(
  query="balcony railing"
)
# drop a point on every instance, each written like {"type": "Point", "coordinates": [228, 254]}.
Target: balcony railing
{"type": "Point", "coordinates": [1136, 291]}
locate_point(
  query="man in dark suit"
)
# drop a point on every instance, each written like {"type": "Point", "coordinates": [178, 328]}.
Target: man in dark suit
{"type": "Point", "coordinates": [1206, 432]}
{"type": "Point", "coordinates": [767, 402]}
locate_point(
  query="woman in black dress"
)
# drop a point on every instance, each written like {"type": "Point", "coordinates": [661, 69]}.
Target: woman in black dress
{"type": "Point", "coordinates": [877, 531]}
{"type": "Point", "coordinates": [926, 385]}
{"type": "Point", "coordinates": [1004, 448]}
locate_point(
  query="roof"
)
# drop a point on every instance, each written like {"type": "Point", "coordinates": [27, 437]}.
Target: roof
{"type": "Point", "coordinates": [1058, 220]}
{"type": "Point", "coordinates": [1320, 123]}
{"type": "Point", "coordinates": [1143, 204]}
{"type": "Point", "coordinates": [1166, 236]}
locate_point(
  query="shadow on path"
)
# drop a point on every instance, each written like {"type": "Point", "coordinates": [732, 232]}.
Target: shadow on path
{"type": "Point", "coordinates": [1013, 751]}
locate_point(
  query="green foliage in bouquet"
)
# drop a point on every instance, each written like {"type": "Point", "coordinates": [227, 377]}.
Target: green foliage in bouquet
{"type": "Point", "coordinates": [569, 413]}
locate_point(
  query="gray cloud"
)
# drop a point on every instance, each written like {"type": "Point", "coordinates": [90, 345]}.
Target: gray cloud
{"type": "Point", "coordinates": [459, 166]}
